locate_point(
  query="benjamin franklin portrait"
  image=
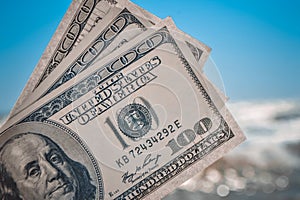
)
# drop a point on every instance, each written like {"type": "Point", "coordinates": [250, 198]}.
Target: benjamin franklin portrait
{"type": "Point", "coordinates": [34, 167]}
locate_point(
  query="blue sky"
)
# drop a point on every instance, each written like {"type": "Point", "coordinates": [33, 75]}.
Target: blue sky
{"type": "Point", "coordinates": [255, 44]}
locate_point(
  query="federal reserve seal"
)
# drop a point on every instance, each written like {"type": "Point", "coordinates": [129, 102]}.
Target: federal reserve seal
{"type": "Point", "coordinates": [134, 120]}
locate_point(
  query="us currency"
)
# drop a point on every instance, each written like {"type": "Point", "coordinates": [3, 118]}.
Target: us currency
{"type": "Point", "coordinates": [100, 11]}
{"type": "Point", "coordinates": [138, 21]}
{"type": "Point", "coordinates": [134, 125]}
{"type": "Point", "coordinates": [80, 18]}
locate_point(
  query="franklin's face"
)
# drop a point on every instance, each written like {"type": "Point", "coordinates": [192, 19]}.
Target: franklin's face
{"type": "Point", "coordinates": [39, 169]}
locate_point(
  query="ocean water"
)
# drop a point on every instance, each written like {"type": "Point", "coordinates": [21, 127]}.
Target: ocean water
{"type": "Point", "coordinates": [265, 166]}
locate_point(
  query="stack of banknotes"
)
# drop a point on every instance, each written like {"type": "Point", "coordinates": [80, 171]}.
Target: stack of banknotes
{"type": "Point", "coordinates": [118, 107]}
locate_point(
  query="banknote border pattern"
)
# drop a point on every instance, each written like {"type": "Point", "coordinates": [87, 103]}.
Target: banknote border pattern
{"type": "Point", "coordinates": [73, 70]}
{"type": "Point", "coordinates": [51, 65]}
{"type": "Point", "coordinates": [196, 51]}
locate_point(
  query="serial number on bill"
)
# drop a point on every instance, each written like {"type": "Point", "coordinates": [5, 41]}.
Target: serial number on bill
{"type": "Point", "coordinates": [149, 143]}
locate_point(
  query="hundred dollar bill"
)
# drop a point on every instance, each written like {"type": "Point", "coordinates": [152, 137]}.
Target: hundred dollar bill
{"type": "Point", "coordinates": [134, 125]}
{"type": "Point", "coordinates": [122, 24]}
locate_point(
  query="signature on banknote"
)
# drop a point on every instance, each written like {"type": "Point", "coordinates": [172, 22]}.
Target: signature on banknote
{"type": "Point", "coordinates": [149, 164]}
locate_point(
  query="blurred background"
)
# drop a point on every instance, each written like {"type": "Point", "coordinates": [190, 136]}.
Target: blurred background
{"type": "Point", "coordinates": [255, 60]}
